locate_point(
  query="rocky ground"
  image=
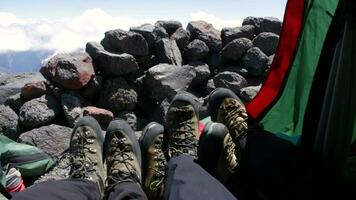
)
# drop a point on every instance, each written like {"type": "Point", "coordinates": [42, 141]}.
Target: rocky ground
{"type": "Point", "coordinates": [133, 75]}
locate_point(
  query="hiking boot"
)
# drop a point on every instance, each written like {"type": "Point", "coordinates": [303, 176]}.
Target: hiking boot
{"type": "Point", "coordinates": [181, 126]}
{"type": "Point", "coordinates": [153, 160]}
{"type": "Point", "coordinates": [122, 154]}
{"type": "Point", "coordinates": [86, 147]}
{"type": "Point", "coordinates": [216, 151]}
{"type": "Point", "coordinates": [228, 109]}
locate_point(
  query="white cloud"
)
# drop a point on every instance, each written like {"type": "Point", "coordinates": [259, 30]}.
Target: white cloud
{"type": "Point", "coordinates": [69, 34]}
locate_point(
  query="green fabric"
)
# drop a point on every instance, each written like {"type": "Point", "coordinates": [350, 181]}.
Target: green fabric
{"type": "Point", "coordinates": [287, 114]}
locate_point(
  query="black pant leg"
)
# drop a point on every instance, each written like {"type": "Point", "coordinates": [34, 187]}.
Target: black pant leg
{"type": "Point", "coordinates": [187, 180]}
{"type": "Point", "coordinates": [127, 191]}
{"type": "Point", "coordinates": [60, 190]}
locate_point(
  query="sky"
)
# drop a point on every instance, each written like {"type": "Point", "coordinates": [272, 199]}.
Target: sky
{"type": "Point", "coordinates": [66, 25]}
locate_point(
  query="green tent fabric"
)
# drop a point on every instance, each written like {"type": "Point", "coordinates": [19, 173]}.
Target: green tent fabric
{"type": "Point", "coordinates": [288, 112]}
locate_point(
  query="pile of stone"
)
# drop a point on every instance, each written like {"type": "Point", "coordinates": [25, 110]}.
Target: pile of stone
{"type": "Point", "coordinates": [134, 75]}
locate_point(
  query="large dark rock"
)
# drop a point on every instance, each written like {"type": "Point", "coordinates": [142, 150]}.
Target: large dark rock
{"type": "Point", "coordinates": [168, 52]}
{"type": "Point", "coordinates": [271, 24]}
{"type": "Point", "coordinates": [160, 111]}
{"type": "Point", "coordinates": [12, 84]}
{"type": "Point", "coordinates": [130, 118]}
{"type": "Point", "coordinates": [254, 60]}
{"type": "Point", "coordinates": [160, 33]}
{"type": "Point", "coordinates": [147, 31]}
{"type": "Point", "coordinates": [40, 111]}
{"type": "Point", "coordinates": [91, 91]}
{"type": "Point", "coordinates": [254, 21]}
{"type": "Point", "coordinates": [267, 42]}
{"type": "Point", "coordinates": [33, 90]}
{"type": "Point", "coordinates": [117, 95]}
{"type": "Point", "coordinates": [230, 80]}
{"type": "Point", "coordinates": [236, 48]}
{"type": "Point", "coordinates": [181, 36]}
{"type": "Point", "coordinates": [147, 62]}
{"type": "Point", "coordinates": [52, 139]}
{"type": "Point", "coordinates": [171, 25]}
{"type": "Point", "coordinates": [229, 34]}
{"type": "Point", "coordinates": [210, 86]}
{"type": "Point", "coordinates": [72, 105]}
{"type": "Point", "coordinates": [126, 42]}
{"type": "Point", "coordinates": [70, 71]}
{"type": "Point", "coordinates": [207, 33]}
{"type": "Point", "coordinates": [111, 64]}
{"type": "Point", "coordinates": [234, 68]}
{"type": "Point", "coordinates": [8, 122]}
{"type": "Point", "coordinates": [164, 80]}
{"type": "Point", "coordinates": [202, 72]}
{"type": "Point", "coordinates": [15, 102]}
{"type": "Point", "coordinates": [248, 93]}
{"type": "Point", "coordinates": [196, 50]}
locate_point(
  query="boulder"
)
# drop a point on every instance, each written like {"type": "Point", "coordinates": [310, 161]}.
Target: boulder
{"type": "Point", "coordinates": [111, 64]}
{"type": "Point", "coordinates": [181, 36]}
{"type": "Point", "coordinates": [229, 34]}
{"type": "Point", "coordinates": [40, 111]}
{"type": "Point", "coordinates": [8, 122]}
{"type": "Point", "coordinates": [15, 102]}
{"type": "Point", "coordinates": [210, 86]}
{"type": "Point", "coordinates": [146, 30]}
{"type": "Point", "coordinates": [168, 52]}
{"type": "Point", "coordinates": [248, 93]}
{"type": "Point", "coordinates": [236, 48]}
{"type": "Point", "coordinates": [91, 91]}
{"type": "Point", "coordinates": [72, 107]}
{"type": "Point", "coordinates": [196, 50]}
{"type": "Point", "coordinates": [160, 33]}
{"type": "Point", "coordinates": [53, 139]}
{"type": "Point", "coordinates": [270, 60]}
{"type": "Point", "coordinates": [267, 42]}
{"type": "Point", "coordinates": [147, 62]}
{"type": "Point", "coordinates": [254, 21]}
{"type": "Point", "coordinates": [254, 60]}
{"type": "Point", "coordinates": [164, 80]}
{"type": "Point", "coordinates": [33, 90]}
{"type": "Point", "coordinates": [130, 118]}
{"type": "Point", "coordinates": [117, 95]}
{"type": "Point", "coordinates": [271, 24]}
{"type": "Point", "coordinates": [171, 25]}
{"type": "Point", "coordinates": [207, 33]}
{"type": "Point", "coordinates": [125, 42]}
{"type": "Point", "coordinates": [70, 71]}
{"type": "Point", "coordinates": [202, 72]}
{"type": "Point", "coordinates": [230, 80]}
{"type": "Point", "coordinates": [101, 115]}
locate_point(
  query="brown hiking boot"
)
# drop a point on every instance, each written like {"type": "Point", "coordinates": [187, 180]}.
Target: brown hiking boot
{"type": "Point", "coordinates": [181, 126]}
{"type": "Point", "coordinates": [122, 154]}
{"type": "Point", "coordinates": [153, 160]}
{"type": "Point", "coordinates": [86, 146]}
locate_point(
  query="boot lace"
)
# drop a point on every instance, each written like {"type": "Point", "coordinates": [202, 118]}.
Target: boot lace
{"type": "Point", "coordinates": [235, 118]}
{"type": "Point", "coordinates": [159, 167]}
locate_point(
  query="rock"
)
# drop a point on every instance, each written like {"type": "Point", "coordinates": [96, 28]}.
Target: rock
{"type": "Point", "coordinates": [210, 86]}
{"type": "Point", "coordinates": [248, 93]}
{"type": "Point", "coordinates": [202, 73]}
{"type": "Point", "coordinates": [15, 102]}
{"type": "Point", "coordinates": [181, 37]}
{"type": "Point", "coordinates": [33, 90]}
{"type": "Point", "coordinates": [40, 111]}
{"type": "Point", "coordinates": [214, 61]}
{"type": "Point", "coordinates": [207, 33]}
{"type": "Point", "coordinates": [147, 62]}
{"type": "Point", "coordinates": [230, 80]}
{"type": "Point", "coordinates": [236, 48]}
{"type": "Point", "coordinates": [229, 34]}
{"type": "Point", "coordinates": [270, 60]}
{"type": "Point", "coordinates": [168, 52]}
{"type": "Point", "coordinates": [238, 69]}
{"type": "Point", "coordinates": [146, 30]}
{"type": "Point", "coordinates": [111, 64]}
{"type": "Point", "coordinates": [171, 25]}
{"type": "Point", "coordinates": [254, 60]}
{"type": "Point", "coordinates": [72, 107]}
{"type": "Point", "coordinates": [8, 122]}
{"type": "Point", "coordinates": [53, 139]}
{"type": "Point", "coordinates": [267, 42]}
{"type": "Point", "coordinates": [92, 89]}
{"type": "Point", "coordinates": [125, 42]}
{"type": "Point", "coordinates": [196, 50]}
{"type": "Point", "coordinates": [254, 21]}
{"type": "Point", "coordinates": [160, 33]}
{"type": "Point", "coordinates": [130, 118]}
{"type": "Point", "coordinates": [164, 80]}
{"type": "Point", "coordinates": [271, 24]}
{"type": "Point", "coordinates": [12, 84]}
{"type": "Point", "coordinates": [117, 96]}
{"type": "Point", "coordinates": [70, 71]}
{"type": "Point", "coordinates": [160, 111]}
{"type": "Point", "coordinates": [103, 116]}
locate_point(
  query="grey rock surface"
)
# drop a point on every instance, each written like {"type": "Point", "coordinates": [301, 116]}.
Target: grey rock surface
{"type": "Point", "coordinates": [254, 21]}
{"type": "Point", "coordinates": [267, 42]}
{"type": "Point", "coordinates": [248, 93]}
{"type": "Point", "coordinates": [146, 30]}
{"type": "Point", "coordinates": [202, 72]}
{"type": "Point", "coordinates": [181, 36]}
{"type": "Point", "coordinates": [229, 34]}
{"type": "Point", "coordinates": [8, 122]}
{"type": "Point", "coordinates": [207, 33]}
{"type": "Point", "coordinates": [254, 60]}
{"type": "Point", "coordinates": [170, 25]}
{"type": "Point", "coordinates": [15, 102]}
{"type": "Point", "coordinates": [271, 24]}
{"type": "Point", "coordinates": [130, 118]}
{"type": "Point", "coordinates": [236, 48]}
{"type": "Point", "coordinates": [196, 50]}
{"type": "Point", "coordinates": [230, 80]}
{"type": "Point", "coordinates": [168, 52]}
{"type": "Point", "coordinates": [72, 105]}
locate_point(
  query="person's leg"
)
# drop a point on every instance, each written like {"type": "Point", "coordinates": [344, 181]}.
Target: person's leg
{"type": "Point", "coordinates": [122, 155]}
{"type": "Point", "coordinates": [61, 189]}
{"type": "Point", "coordinates": [184, 178]}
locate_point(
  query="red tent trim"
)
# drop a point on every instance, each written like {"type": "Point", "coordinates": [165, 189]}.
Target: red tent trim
{"type": "Point", "coordinates": [287, 48]}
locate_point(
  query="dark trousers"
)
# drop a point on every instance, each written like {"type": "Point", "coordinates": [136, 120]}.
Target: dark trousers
{"type": "Point", "coordinates": [184, 180]}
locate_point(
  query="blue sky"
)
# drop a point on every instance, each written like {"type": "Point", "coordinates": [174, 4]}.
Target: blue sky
{"type": "Point", "coordinates": [66, 25]}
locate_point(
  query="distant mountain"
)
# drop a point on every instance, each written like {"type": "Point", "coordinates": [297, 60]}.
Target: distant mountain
{"type": "Point", "coordinates": [22, 61]}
